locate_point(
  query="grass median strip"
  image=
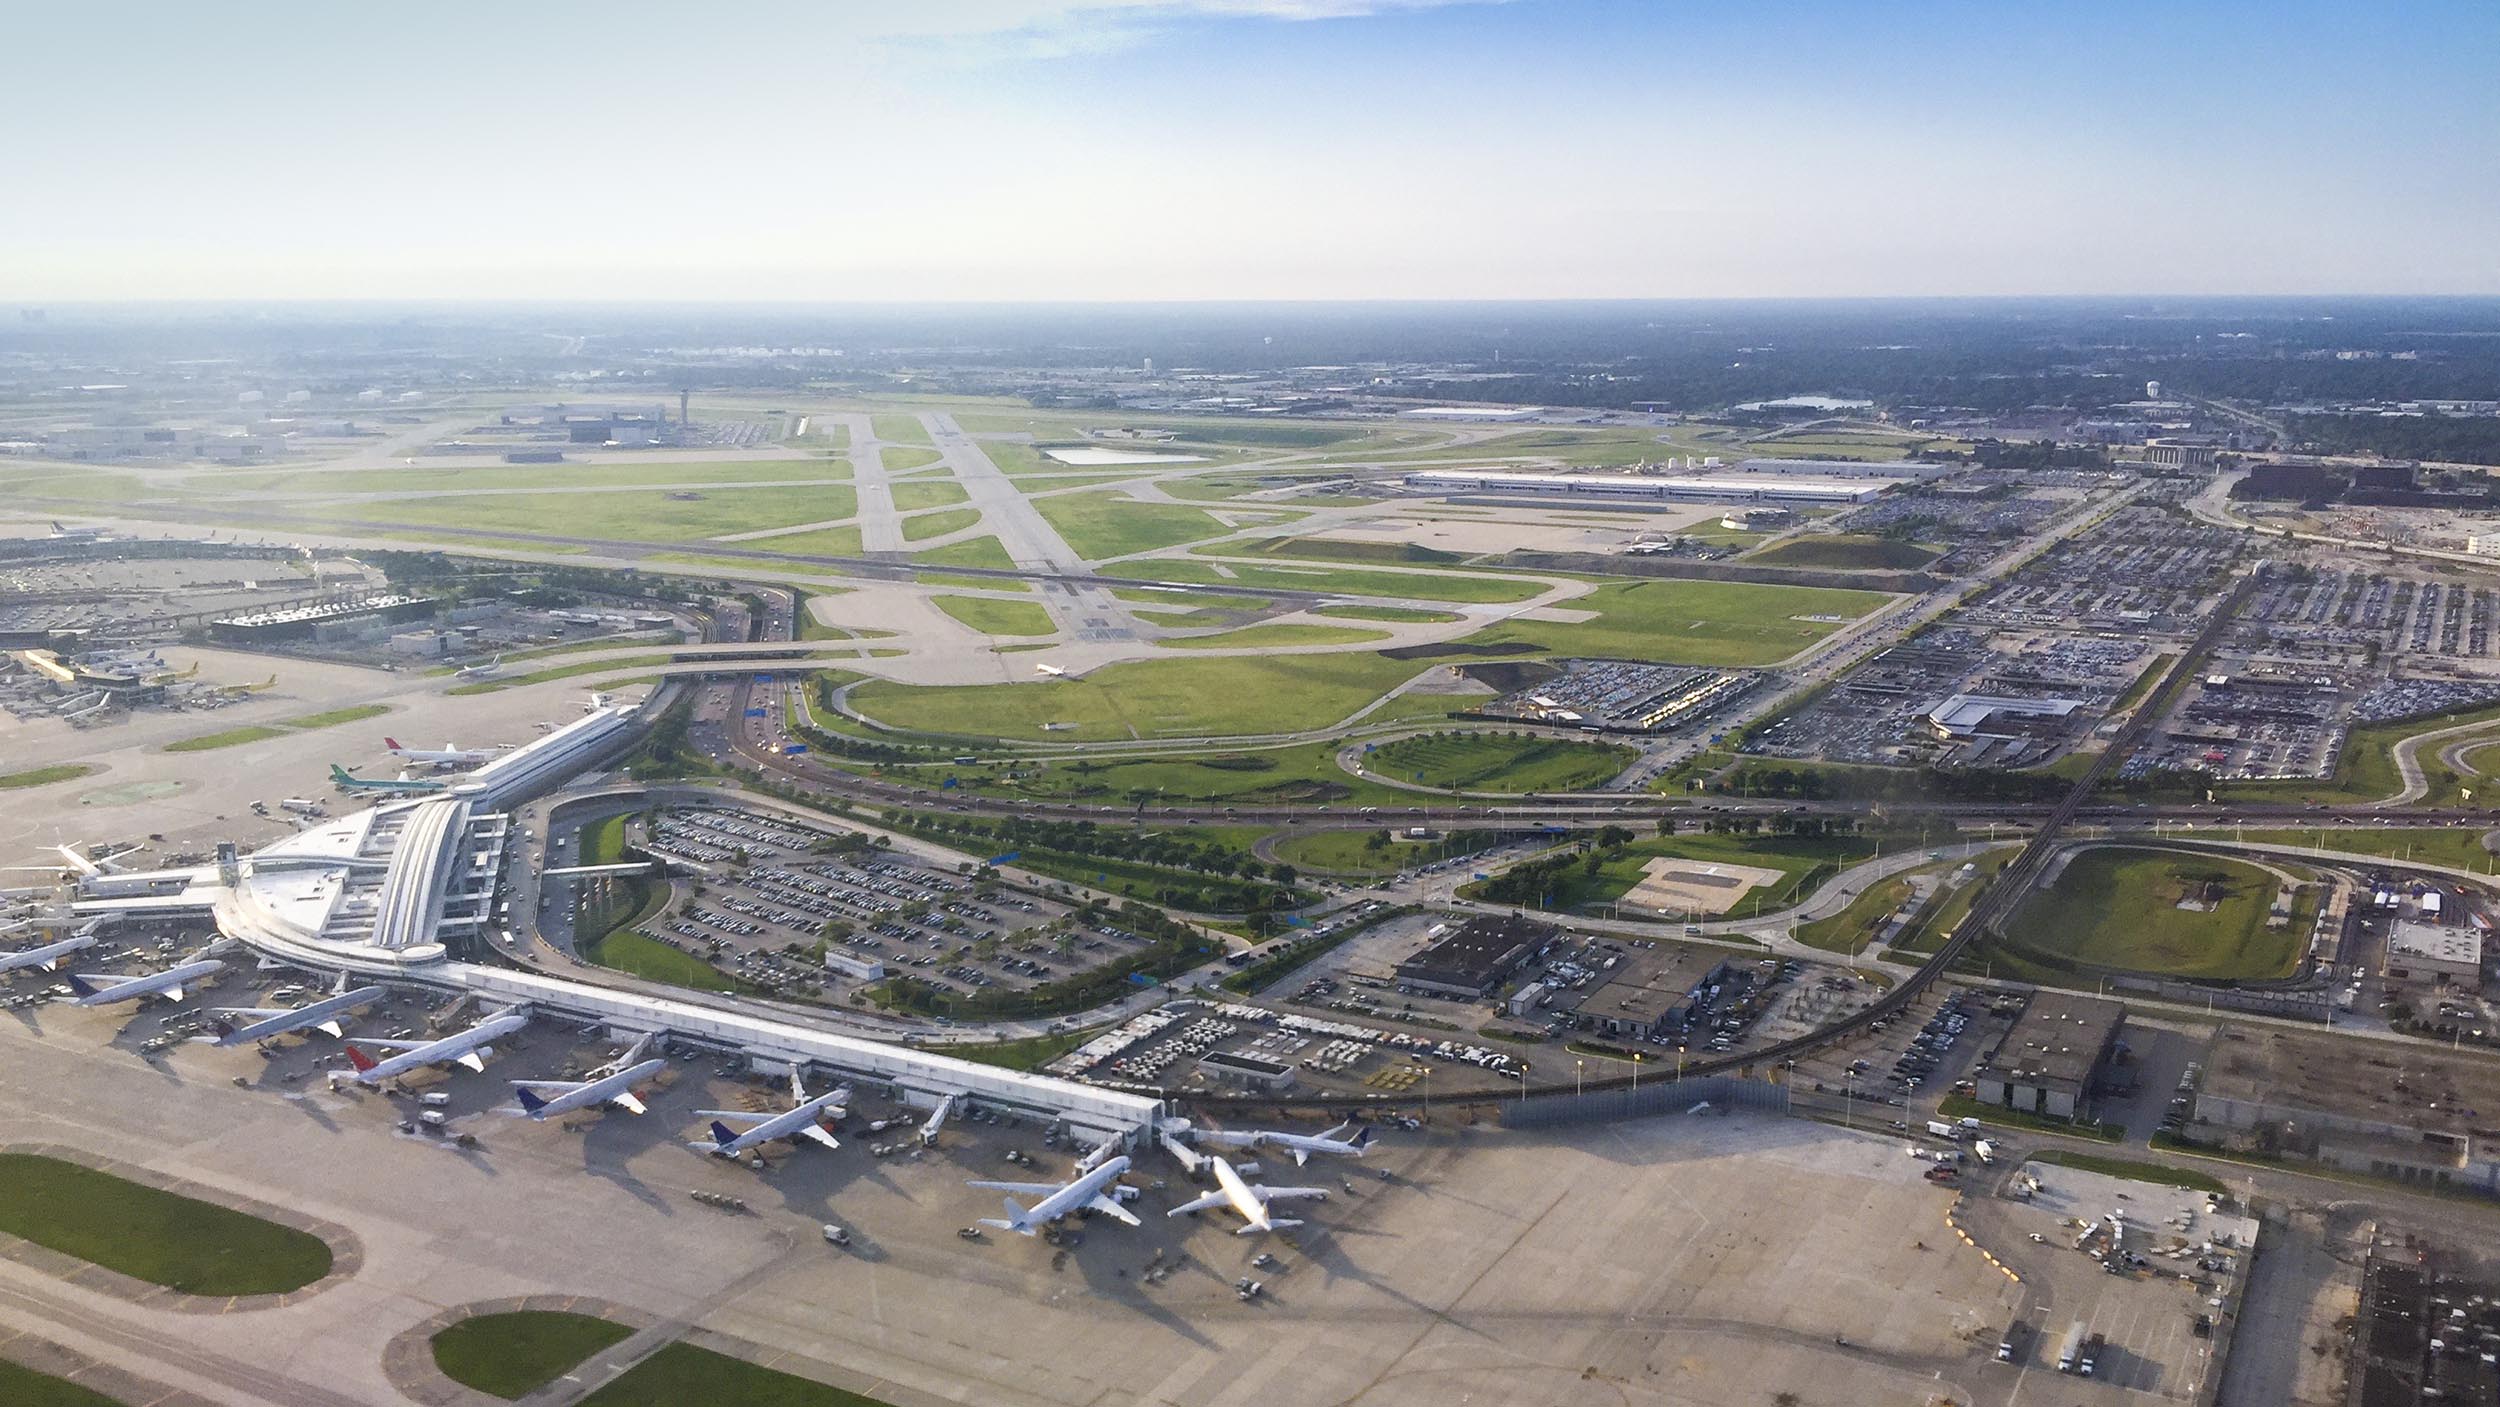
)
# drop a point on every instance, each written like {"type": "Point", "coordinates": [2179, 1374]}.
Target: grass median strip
{"type": "Point", "coordinates": [44, 776]}
{"type": "Point", "coordinates": [2161, 1174]}
{"type": "Point", "coordinates": [682, 1373]}
{"type": "Point", "coordinates": [262, 732]}
{"type": "Point", "coordinates": [24, 1387]}
{"type": "Point", "coordinates": [513, 1355]}
{"type": "Point", "coordinates": [164, 1238]}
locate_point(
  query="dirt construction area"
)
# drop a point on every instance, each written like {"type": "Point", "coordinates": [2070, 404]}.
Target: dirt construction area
{"type": "Point", "coordinates": [1670, 885]}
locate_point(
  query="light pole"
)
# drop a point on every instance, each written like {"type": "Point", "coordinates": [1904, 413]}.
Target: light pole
{"type": "Point", "coordinates": [1636, 1074]}
{"type": "Point", "coordinates": [1577, 1069]}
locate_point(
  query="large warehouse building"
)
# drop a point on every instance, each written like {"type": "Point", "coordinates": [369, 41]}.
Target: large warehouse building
{"type": "Point", "coordinates": [1663, 488]}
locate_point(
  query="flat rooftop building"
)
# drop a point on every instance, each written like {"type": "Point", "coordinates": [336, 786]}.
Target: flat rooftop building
{"type": "Point", "coordinates": [1475, 959]}
{"type": "Point", "coordinates": [2419, 950]}
{"type": "Point", "coordinates": [2051, 1057]}
{"type": "Point", "coordinates": [1976, 715]}
{"type": "Point", "coordinates": [1651, 994]}
{"type": "Point", "coordinates": [1723, 488]}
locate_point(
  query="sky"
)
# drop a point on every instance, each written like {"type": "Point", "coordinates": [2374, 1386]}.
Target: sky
{"type": "Point", "coordinates": [1052, 150]}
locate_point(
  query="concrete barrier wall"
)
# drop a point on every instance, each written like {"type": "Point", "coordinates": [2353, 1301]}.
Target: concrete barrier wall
{"type": "Point", "coordinates": [1668, 1096]}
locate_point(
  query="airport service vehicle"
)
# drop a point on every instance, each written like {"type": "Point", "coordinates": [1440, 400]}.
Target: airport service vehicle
{"type": "Point", "coordinates": [2072, 1351]}
{"type": "Point", "coordinates": [262, 1022]}
{"type": "Point", "coordinates": [1249, 1200]}
{"type": "Point", "coordinates": [798, 1121]}
{"type": "Point", "coordinates": [612, 1083]}
{"type": "Point", "coordinates": [469, 1047]}
{"type": "Point", "coordinates": [102, 989]}
{"type": "Point", "coordinates": [2091, 1354]}
{"type": "Point", "coordinates": [301, 805]}
{"type": "Point", "coordinates": [2012, 1343]}
{"type": "Point", "coordinates": [1085, 1193]}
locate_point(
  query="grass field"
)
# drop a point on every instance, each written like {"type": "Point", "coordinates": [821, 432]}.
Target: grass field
{"type": "Point", "coordinates": [1472, 761]}
{"type": "Point", "coordinates": [2117, 908]}
{"type": "Point", "coordinates": [24, 1387]}
{"type": "Point", "coordinates": [928, 493]}
{"type": "Point", "coordinates": [1690, 622]}
{"type": "Point", "coordinates": [628, 516]}
{"type": "Point", "coordinates": [1221, 695]}
{"type": "Point", "coordinates": [357, 713]}
{"type": "Point", "coordinates": [2458, 847]}
{"type": "Point", "coordinates": [1303, 773]}
{"type": "Point", "coordinates": [186, 1245]}
{"type": "Point", "coordinates": [1336, 581]}
{"type": "Point", "coordinates": [513, 1355]}
{"type": "Point", "coordinates": [1853, 928]}
{"type": "Point", "coordinates": [1105, 523]}
{"type": "Point", "coordinates": [923, 526]}
{"type": "Point", "coordinates": [1855, 552]}
{"type": "Point", "coordinates": [1364, 852]}
{"type": "Point", "coordinates": [1029, 1053]}
{"type": "Point", "coordinates": [1278, 633]}
{"type": "Point", "coordinates": [823, 542]}
{"type": "Point", "coordinates": [626, 950]}
{"type": "Point", "coordinates": [979, 552]}
{"type": "Point", "coordinates": [899, 429]}
{"type": "Point", "coordinates": [682, 1374]}
{"type": "Point", "coordinates": [1395, 615]}
{"type": "Point", "coordinates": [507, 479]}
{"type": "Point", "coordinates": [44, 776]}
{"type": "Point", "coordinates": [2160, 1174]}
{"type": "Point", "coordinates": [904, 459]}
{"type": "Point", "coordinates": [1803, 862]}
{"type": "Point", "coordinates": [1359, 553]}
{"type": "Point", "coordinates": [993, 617]}
{"type": "Point", "coordinates": [231, 737]}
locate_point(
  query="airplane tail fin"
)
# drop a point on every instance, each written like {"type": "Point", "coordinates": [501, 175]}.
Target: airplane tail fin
{"type": "Point", "coordinates": [722, 1137]}
{"type": "Point", "coordinates": [81, 985]}
{"type": "Point", "coordinates": [391, 743]}
{"type": "Point", "coordinates": [530, 1103]}
{"type": "Point", "coordinates": [1362, 1138]}
{"type": "Point", "coordinates": [357, 1058]}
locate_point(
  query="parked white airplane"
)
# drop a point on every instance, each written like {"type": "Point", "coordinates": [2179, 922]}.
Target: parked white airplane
{"type": "Point", "coordinates": [60, 533]}
{"type": "Point", "coordinates": [467, 1047]}
{"type": "Point", "coordinates": [99, 989]}
{"type": "Point", "coordinates": [447, 755]}
{"type": "Point", "coordinates": [262, 1022]}
{"type": "Point", "coordinates": [798, 1121]}
{"type": "Point", "coordinates": [612, 1083]}
{"type": "Point", "coordinates": [46, 957]}
{"type": "Point", "coordinates": [1249, 1199]}
{"type": "Point", "coordinates": [1059, 1199]}
{"type": "Point", "coordinates": [92, 868]}
{"type": "Point", "coordinates": [1302, 1145]}
{"type": "Point", "coordinates": [480, 671]}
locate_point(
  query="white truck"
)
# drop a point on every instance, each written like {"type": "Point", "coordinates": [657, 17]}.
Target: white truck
{"type": "Point", "coordinates": [1940, 1129]}
{"type": "Point", "coordinates": [2071, 1351]}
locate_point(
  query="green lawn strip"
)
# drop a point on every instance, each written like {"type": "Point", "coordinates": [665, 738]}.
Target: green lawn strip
{"type": "Point", "coordinates": [513, 1355]}
{"type": "Point", "coordinates": [2455, 847]}
{"type": "Point", "coordinates": [984, 552]}
{"type": "Point", "coordinates": [1399, 615]}
{"type": "Point", "coordinates": [921, 526]}
{"type": "Point", "coordinates": [2120, 909]}
{"type": "Point", "coordinates": [24, 1387]}
{"type": "Point", "coordinates": [899, 429]}
{"type": "Point", "coordinates": [1324, 549]}
{"type": "Point", "coordinates": [520, 479]}
{"type": "Point", "coordinates": [1939, 920]}
{"type": "Point", "coordinates": [1690, 622]}
{"type": "Point", "coordinates": [1295, 774]}
{"type": "Point", "coordinates": [164, 1238]}
{"type": "Point", "coordinates": [1845, 552]}
{"type": "Point", "coordinates": [1572, 885]}
{"type": "Point", "coordinates": [1029, 1053]}
{"type": "Point", "coordinates": [639, 515]}
{"type": "Point", "coordinates": [1335, 581]}
{"type": "Point", "coordinates": [1275, 633]}
{"type": "Point", "coordinates": [1373, 852]}
{"type": "Point", "coordinates": [1506, 762]}
{"type": "Point", "coordinates": [904, 459]}
{"type": "Point", "coordinates": [843, 541]}
{"type": "Point", "coordinates": [627, 950]}
{"type": "Point", "coordinates": [682, 1374]}
{"type": "Point", "coordinates": [994, 617]}
{"type": "Point", "coordinates": [231, 737]}
{"type": "Point", "coordinates": [2160, 1174]}
{"type": "Point", "coordinates": [1962, 1106]}
{"type": "Point", "coordinates": [44, 776]}
{"type": "Point", "coordinates": [331, 719]}
{"type": "Point", "coordinates": [1853, 928]}
{"type": "Point", "coordinates": [1107, 523]}
{"type": "Point", "coordinates": [567, 671]}
{"type": "Point", "coordinates": [1209, 697]}
{"type": "Point", "coordinates": [928, 493]}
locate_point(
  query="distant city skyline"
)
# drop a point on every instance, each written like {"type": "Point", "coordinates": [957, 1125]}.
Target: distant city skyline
{"type": "Point", "coordinates": [1117, 150]}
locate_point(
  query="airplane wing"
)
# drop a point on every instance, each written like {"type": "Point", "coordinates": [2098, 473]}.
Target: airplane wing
{"type": "Point", "coordinates": [1288, 1194]}
{"type": "Point", "coordinates": [1301, 1156]}
{"type": "Point", "coordinates": [473, 1060]}
{"type": "Point", "coordinates": [816, 1131]}
{"type": "Point", "coordinates": [1029, 1189]}
{"type": "Point", "coordinates": [626, 1100]}
{"type": "Point", "coordinates": [1212, 1199]}
{"type": "Point", "coordinates": [1108, 1207]}
{"type": "Point", "coordinates": [392, 1045]}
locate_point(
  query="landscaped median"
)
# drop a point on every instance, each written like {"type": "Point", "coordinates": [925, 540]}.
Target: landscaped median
{"type": "Point", "coordinates": [153, 1233]}
{"type": "Point", "coordinates": [2161, 1174]}
{"type": "Point", "coordinates": [44, 776]}
{"type": "Point", "coordinates": [262, 732]}
{"type": "Point", "coordinates": [1962, 1106]}
{"type": "Point", "coordinates": [513, 1348]}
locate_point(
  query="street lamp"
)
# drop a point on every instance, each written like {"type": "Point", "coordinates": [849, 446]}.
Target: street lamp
{"type": "Point", "coordinates": [1577, 1067]}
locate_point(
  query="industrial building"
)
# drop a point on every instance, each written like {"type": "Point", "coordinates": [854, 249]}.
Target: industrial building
{"type": "Point", "coordinates": [318, 621]}
{"type": "Point", "coordinates": [1481, 955]}
{"type": "Point", "coordinates": [1650, 997]}
{"type": "Point", "coordinates": [2424, 950]}
{"type": "Point", "coordinates": [1729, 488]}
{"type": "Point", "coordinates": [2053, 1055]}
{"type": "Point", "coordinates": [1987, 715]}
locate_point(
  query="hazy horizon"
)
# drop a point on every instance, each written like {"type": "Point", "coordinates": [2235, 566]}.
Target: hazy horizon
{"type": "Point", "coordinates": [1194, 151]}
